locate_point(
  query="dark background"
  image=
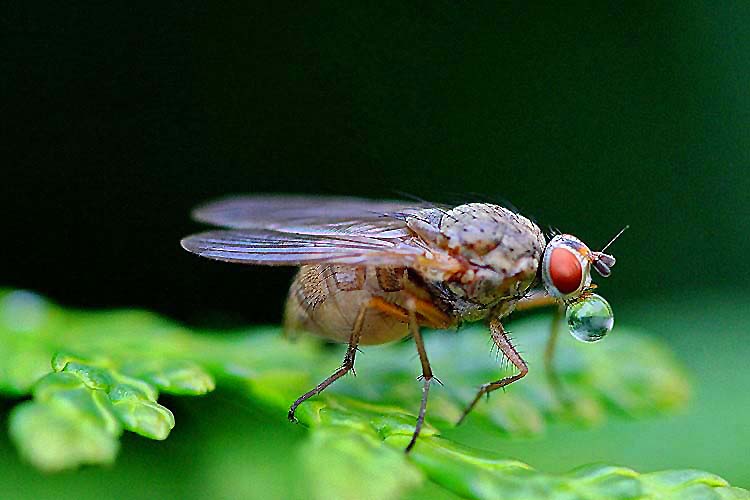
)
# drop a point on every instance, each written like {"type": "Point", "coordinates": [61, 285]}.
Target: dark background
{"type": "Point", "coordinates": [116, 120]}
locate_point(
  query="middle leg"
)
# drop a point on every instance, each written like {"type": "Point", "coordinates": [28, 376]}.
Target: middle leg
{"type": "Point", "coordinates": [430, 314]}
{"type": "Point", "coordinates": [427, 376]}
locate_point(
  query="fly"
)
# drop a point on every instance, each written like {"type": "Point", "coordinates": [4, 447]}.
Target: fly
{"type": "Point", "coordinates": [372, 272]}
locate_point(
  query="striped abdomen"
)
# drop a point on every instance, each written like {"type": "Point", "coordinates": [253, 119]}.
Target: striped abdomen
{"type": "Point", "coordinates": [325, 299]}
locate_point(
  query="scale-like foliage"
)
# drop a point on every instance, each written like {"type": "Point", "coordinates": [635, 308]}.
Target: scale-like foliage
{"type": "Point", "coordinates": [93, 375]}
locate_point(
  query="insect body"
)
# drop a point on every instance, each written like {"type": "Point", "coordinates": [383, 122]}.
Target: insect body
{"type": "Point", "coordinates": [376, 271]}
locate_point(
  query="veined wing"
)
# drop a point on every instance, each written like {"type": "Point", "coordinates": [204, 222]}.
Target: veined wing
{"type": "Point", "coordinates": [311, 215]}
{"type": "Point", "coordinates": [273, 248]}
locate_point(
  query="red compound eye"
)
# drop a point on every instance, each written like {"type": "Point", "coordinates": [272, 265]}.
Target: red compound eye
{"type": "Point", "coordinates": [565, 270]}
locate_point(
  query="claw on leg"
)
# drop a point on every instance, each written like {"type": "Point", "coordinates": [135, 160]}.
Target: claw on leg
{"type": "Point", "coordinates": [346, 366]}
{"type": "Point", "coordinates": [426, 376]}
{"type": "Point", "coordinates": [501, 340]}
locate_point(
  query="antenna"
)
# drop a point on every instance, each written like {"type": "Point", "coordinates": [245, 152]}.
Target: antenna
{"type": "Point", "coordinates": [613, 239]}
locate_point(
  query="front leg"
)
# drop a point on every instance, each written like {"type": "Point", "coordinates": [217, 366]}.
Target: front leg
{"type": "Point", "coordinates": [538, 300]}
{"type": "Point", "coordinates": [501, 340]}
{"type": "Point", "coordinates": [550, 347]}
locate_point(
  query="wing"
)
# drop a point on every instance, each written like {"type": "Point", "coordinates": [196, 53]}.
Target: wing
{"type": "Point", "coordinates": [274, 248]}
{"type": "Point", "coordinates": [311, 215]}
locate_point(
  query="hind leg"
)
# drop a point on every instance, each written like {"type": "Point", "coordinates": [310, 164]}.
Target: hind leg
{"type": "Point", "coordinates": [346, 365]}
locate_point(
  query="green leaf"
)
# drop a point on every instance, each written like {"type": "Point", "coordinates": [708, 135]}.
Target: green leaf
{"type": "Point", "coordinates": [333, 457]}
{"type": "Point", "coordinates": [173, 376]}
{"type": "Point", "coordinates": [93, 375]}
{"type": "Point", "coordinates": [482, 475]}
{"type": "Point", "coordinates": [477, 474]}
{"type": "Point", "coordinates": [55, 440]}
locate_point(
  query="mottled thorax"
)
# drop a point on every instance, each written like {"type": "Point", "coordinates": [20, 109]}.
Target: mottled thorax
{"type": "Point", "coordinates": [499, 250]}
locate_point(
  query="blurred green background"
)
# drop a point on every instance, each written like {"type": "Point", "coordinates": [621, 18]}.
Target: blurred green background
{"type": "Point", "coordinates": [118, 119]}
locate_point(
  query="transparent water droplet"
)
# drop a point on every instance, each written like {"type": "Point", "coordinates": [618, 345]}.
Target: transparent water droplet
{"type": "Point", "coordinates": [590, 318]}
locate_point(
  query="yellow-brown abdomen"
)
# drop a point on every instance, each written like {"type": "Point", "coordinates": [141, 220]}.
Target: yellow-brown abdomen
{"type": "Point", "coordinates": [325, 299]}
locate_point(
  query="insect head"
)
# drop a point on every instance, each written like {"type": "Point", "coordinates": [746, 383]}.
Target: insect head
{"type": "Point", "coordinates": [566, 275]}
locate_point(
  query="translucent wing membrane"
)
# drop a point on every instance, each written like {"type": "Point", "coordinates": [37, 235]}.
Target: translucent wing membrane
{"type": "Point", "coordinates": [273, 248]}
{"type": "Point", "coordinates": [296, 230]}
{"type": "Point", "coordinates": [310, 215]}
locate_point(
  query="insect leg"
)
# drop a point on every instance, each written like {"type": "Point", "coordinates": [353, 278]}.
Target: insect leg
{"type": "Point", "coordinates": [503, 343]}
{"type": "Point", "coordinates": [549, 356]}
{"type": "Point", "coordinates": [427, 313]}
{"type": "Point", "coordinates": [536, 301]}
{"type": "Point", "coordinates": [427, 375]}
{"type": "Point", "coordinates": [549, 348]}
{"type": "Point", "coordinates": [346, 365]}
{"type": "Point", "coordinates": [539, 300]}
{"type": "Point", "coordinates": [389, 309]}
{"type": "Point", "coordinates": [433, 316]}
